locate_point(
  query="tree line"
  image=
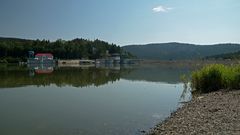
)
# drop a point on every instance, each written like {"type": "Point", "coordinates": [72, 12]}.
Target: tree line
{"type": "Point", "coordinates": [15, 50]}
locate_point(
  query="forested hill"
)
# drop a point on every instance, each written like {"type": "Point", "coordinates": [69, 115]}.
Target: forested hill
{"type": "Point", "coordinates": [234, 55]}
{"type": "Point", "coordinates": [14, 49]}
{"type": "Point", "coordinates": [179, 51]}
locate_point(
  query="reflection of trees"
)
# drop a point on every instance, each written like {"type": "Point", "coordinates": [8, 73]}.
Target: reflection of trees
{"type": "Point", "coordinates": [76, 77]}
{"type": "Point", "coordinates": [168, 74]}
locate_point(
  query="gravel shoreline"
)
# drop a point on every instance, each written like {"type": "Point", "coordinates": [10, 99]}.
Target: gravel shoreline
{"type": "Point", "coordinates": [212, 113]}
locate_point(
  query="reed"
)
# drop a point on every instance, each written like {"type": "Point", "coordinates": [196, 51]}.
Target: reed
{"type": "Point", "coordinates": [215, 77]}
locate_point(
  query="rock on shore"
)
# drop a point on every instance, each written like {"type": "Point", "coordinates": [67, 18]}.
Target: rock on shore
{"type": "Point", "coordinates": [212, 113]}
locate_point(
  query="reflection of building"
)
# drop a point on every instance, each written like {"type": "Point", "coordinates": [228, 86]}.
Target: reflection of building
{"type": "Point", "coordinates": [44, 70]}
{"type": "Point", "coordinates": [40, 68]}
{"type": "Point", "coordinates": [108, 66]}
{"type": "Point", "coordinates": [110, 59]}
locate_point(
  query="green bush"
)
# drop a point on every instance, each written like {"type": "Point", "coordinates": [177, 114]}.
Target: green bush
{"type": "Point", "coordinates": [12, 60]}
{"type": "Point", "coordinates": [3, 61]}
{"type": "Point", "coordinates": [215, 77]}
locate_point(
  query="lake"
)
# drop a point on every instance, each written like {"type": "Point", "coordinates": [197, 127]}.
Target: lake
{"type": "Point", "coordinates": [88, 100]}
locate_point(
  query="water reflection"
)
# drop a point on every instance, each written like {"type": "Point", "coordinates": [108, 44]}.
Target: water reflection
{"type": "Point", "coordinates": [100, 100]}
{"type": "Point", "coordinates": [40, 68]}
{"type": "Point", "coordinates": [158, 73]}
{"type": "Point", "coordinates": [82, 76]}
{"type": "Point", "coordinates": [77, 77]}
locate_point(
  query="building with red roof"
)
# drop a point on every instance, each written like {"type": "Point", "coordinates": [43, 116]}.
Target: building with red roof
{"type": "Point", "coordinates": [44, 56]}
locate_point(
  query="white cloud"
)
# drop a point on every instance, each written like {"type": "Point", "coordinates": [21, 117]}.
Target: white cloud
{"type": "Point", "coordinates": [160, 8]}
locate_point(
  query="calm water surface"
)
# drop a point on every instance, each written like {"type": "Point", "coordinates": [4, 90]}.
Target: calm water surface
{"type": "Point", "coordinates": [75, 101]}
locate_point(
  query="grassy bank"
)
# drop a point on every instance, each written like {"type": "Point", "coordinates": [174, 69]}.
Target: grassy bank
{"type": "Point", "coordinates": [215, 77]}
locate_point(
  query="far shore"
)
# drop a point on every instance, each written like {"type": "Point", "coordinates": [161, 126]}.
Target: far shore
{"type": "Point", "coordinates": [212, 113]}
{"type": "Point", "coordinates": [189, 62]}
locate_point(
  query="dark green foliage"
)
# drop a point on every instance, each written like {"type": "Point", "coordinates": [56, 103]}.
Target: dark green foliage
{"type": "Point", "coordinates": [4, 61]}
{"type": "Point", "coordinates": [215, 77]}
{"type": "Point", "coordinates": [15, 50]}
{"type": "Point", "coordinates": [179, 51]}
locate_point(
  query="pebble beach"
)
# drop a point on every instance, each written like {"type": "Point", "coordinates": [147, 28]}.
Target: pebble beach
{"type": "Point", "coordinates": [211, 113]}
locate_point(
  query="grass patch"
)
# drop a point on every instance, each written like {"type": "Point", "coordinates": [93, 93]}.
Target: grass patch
{"type": "Point", "coordinates": [215, 77]}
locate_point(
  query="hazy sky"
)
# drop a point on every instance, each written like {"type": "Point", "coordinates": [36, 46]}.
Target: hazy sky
{"type": "Point", "coordinates": [123, 21]}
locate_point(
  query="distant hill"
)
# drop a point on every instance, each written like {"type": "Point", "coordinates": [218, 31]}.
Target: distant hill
{"type": "Point", "coordinates": [179, 51]}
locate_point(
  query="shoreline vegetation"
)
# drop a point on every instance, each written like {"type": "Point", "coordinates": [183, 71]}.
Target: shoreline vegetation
{"type": "Point", "coordinates": [215, 77]}
{"type": "Point", "coordinates": [214, 108]}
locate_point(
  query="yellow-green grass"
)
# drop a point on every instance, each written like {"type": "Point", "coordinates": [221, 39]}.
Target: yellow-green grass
{"type": "Point", "coordinates": [215, 77]}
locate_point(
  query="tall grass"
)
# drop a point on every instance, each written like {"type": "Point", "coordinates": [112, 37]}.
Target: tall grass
{"type": "Point", "coordinates": [215, 77]}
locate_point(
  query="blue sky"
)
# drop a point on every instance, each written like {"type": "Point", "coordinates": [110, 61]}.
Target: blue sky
{"type": "Point", "coordinates": [123, 22]}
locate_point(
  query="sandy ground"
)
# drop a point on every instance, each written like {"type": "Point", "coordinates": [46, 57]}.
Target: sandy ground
{"type": "Point", "coordinates": [216, 113]}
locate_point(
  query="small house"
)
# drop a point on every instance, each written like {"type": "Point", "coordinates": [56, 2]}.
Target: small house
{"type": "Point", "coordinates": [43, 56]}
{"type": "Point", "coordinates": [116, 58]}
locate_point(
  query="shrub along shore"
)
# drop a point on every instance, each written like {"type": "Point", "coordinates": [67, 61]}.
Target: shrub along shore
{"type": "Point", "coordinates": [215, 77]}
{"type": "Point", "coordinates": [214, 108]}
